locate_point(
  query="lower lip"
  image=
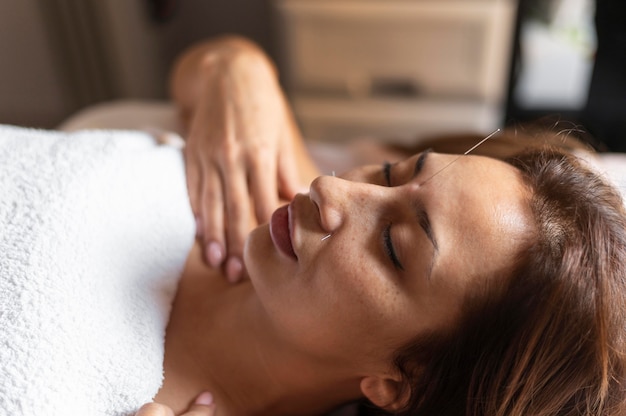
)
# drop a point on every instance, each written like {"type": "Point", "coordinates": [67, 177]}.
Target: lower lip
{"type": "Point", "coordinates": [280, 233]}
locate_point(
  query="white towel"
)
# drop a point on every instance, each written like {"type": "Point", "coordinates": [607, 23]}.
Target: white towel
{"type": "Point", "coordinates": [95, 228]}
{"type": "Point", "coordinates": [611, 166]}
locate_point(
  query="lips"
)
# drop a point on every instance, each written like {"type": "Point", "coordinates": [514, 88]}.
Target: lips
{"type": "Point", "coordinates": [280, 232]}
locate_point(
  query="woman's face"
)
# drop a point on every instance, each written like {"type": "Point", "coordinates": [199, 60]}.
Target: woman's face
{"type": "Point", "coordinates": [401, 256]}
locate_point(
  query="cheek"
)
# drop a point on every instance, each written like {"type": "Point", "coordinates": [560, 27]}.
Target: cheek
{"type": "Point", "coordinates": [341, 304]}
{"type": "Point", "coordinates": [356, 304]}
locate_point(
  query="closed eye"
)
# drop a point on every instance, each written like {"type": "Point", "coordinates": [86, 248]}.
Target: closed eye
{"type": "Point", "coordinates": [387, 172]}
{"type": "Point", "coordinates": [419, 163]}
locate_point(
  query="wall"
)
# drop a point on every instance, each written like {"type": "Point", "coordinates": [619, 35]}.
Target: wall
{"type": "Point", "coordinates": [50, 67]}
{"type": "Point", "coordinates": [32, 91]}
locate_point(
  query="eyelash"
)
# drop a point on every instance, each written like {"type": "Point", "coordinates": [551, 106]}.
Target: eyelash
{"type": "Point", "coordinates": [389, 249]}
{"type": "Point", "coordinates": [387, 173]}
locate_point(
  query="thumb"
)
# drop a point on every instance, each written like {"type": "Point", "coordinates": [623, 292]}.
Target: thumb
{"type": "Point", "coordinates": [202, 406]}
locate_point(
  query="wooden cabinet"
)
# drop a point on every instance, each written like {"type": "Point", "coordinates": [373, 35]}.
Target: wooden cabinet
{"type": "Point", "coordinates": [396, 69]}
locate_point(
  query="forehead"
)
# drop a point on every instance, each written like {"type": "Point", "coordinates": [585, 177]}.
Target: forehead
{"type": "Point", "coordinates": [479, 208]}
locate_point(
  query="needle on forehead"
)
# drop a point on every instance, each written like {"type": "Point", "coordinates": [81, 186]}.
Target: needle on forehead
{"type": "Point", "coordinates": [460, 156]}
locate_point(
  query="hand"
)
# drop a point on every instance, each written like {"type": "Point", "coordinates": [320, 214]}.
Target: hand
{"type": "Point", "coordinates": [202, 406]}
{"type": "Point", "coordinates": [239, 155]}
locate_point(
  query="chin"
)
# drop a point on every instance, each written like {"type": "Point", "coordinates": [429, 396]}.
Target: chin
{"type": "Point", "coordinates": [257, 250]}
{"type": "Point", "coordinates": [269, 271]}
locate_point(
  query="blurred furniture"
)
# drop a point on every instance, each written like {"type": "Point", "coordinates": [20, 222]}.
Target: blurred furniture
{"type": "Point", "coordinates": [553, 61]}
{"type": "Point", "coordinates": [605, 113]}
{"type": "Point", "coordinates": [61, 55]}
{"type": "Point", "coordinates": [397, 69]}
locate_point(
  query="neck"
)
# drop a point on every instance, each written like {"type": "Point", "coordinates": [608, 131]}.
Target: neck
{"type": "Point", "coordinates": [219, 340]}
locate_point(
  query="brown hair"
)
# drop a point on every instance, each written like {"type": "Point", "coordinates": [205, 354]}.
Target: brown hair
{"type": "Point", "coordinates": [552, 340]}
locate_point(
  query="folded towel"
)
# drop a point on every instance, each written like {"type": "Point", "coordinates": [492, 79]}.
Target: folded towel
{"type": "Point", "coordinates": [95, 228]}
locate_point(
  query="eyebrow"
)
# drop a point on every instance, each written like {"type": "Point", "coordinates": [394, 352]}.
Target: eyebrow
{"type": "Point", "coordinates": [424, 222]}
{"type": "Point", "coordinates": [421, 214]}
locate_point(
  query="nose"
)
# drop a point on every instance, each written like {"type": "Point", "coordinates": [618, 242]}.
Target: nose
{"type": "Point", "coordinates": [338, 200]}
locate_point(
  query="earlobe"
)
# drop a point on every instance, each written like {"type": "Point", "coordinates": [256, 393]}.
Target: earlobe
{"type": "Point", "coordinates": [385, 392]}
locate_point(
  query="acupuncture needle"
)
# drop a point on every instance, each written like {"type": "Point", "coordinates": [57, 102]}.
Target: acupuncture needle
{"type": "Point", "coordinates": [471, 149]}
{"type": "Point", "coordinates": [460, 156]}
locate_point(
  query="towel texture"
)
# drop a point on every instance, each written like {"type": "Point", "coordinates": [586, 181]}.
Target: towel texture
{"type": "Point", "coordinates": [95, 228]}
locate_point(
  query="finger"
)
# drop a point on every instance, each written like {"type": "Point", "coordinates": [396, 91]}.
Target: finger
{"type": "Point", "coordinates": [289, 176]}
{"type": "Point", "coordinates": [202, 406]}
{"type": "Point", "coordinates": [192, 171]}
{"type": "Point", "coordinates": [200, 410]}
{"type": "Point", "coordinates": [212, 213]}
{"type": "Point", "coordinates": [154, 409]}
{"type": "Point", "coordinates": [264, 187]}
{"type": "Point", "coordinates": [238, 213]}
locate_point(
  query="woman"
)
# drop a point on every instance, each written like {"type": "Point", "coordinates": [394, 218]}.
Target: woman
{"type": "Point", "coordinates": [399, 282]}
{"type": "Point", "coordinates": [429, 286]}
{"type": "Point", "coordinates": [426, 290]}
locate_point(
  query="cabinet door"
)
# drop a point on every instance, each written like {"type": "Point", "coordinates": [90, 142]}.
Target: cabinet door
{"type": "Point", "coordinates": [437, 47]}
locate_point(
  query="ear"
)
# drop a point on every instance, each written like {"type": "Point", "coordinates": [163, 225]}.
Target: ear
{"type": "Point", "coordinates": [386, 393]}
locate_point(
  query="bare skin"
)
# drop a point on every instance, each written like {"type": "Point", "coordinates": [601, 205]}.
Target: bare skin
{"type": "Point", "coordinates": [212, 318]}
{"type": "Point", "coordinates": [244, 151]}
{"type": "Point", "coordinates": [309, 332]}
{"type": "Point", "coordinates": [203, 405]}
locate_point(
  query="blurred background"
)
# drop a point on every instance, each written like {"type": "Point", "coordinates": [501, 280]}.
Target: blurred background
{"type": "Point", "coordinates": [396, 70]}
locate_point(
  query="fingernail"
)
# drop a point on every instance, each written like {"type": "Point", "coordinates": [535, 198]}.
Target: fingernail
{"type": "Point", "coordinates": [205, 399]}
{"type": "Point", "coordinates": [215, 254]}
{"type": "Point", "coordinates": [234, 267]}
{"type": "Point", "coordinates": [199, 229]}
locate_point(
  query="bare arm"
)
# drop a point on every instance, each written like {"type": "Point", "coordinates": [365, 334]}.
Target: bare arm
{"type": "Point", "coordinates": [244, 150]}
{"type": "Point", "coordinates": [192, 66]}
